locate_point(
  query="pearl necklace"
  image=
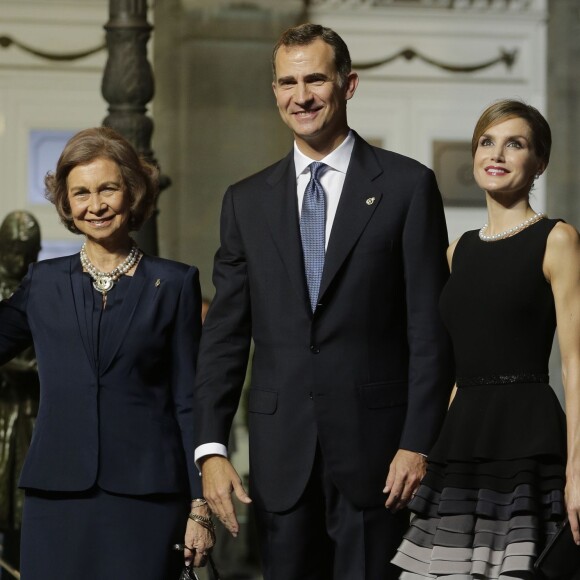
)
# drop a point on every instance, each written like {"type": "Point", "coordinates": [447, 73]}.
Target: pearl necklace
{"type": "Point", "coordinates": [104, 281]}
{"type": "Point", "coordinates": [511, 231]}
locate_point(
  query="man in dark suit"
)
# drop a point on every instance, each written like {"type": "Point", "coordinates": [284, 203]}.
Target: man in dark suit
{"type": "Point", "coordinates": [335, 272]}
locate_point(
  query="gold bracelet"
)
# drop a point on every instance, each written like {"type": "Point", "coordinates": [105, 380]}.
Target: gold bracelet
{"type": "Point", "coordinates": [205, 522]}
{"type": "Point", "coordinates": [200, 501]}
{"type": "Point", "coordinates": [200, 519]}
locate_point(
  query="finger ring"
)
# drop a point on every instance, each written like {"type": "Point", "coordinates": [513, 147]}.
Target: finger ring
{"type": "Point", "coordinates": [181, 547]}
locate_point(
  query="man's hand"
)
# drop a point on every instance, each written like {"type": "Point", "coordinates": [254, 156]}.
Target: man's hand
{"type": "Point", "coordinates": [405, 474]}
{"type": "Point", "coordinates": [219, 479]}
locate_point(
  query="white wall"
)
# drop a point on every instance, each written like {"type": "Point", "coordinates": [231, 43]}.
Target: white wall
{"type": "Point", "coordinates": [37, 94]}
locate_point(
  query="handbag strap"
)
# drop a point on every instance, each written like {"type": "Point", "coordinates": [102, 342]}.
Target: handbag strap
{"type": "Point", "coordinates": [213, 568]}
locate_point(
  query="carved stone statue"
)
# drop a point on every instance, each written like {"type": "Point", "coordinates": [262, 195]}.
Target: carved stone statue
{"type": "Point", "coordinates": [19, 387]}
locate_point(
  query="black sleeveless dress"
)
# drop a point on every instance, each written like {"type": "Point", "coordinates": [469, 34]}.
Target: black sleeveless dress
{"type": "Point", "coordinates": [494, 489]}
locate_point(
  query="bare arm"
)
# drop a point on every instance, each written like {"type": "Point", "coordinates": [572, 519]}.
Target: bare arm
{"type": "Point", "coordinates": [562, 269]}
{"type": "Point", "coordinates": [450, 251]}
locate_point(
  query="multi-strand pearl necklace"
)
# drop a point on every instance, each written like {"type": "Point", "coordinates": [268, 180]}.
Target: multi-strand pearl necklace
{"type": "Point", "coordinates": [104, 281]}
{"type": "Point", "coordinates": [511, 231]}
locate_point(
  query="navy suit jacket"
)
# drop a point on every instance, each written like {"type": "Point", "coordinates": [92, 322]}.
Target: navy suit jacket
{"type": "Point", "coordinates": [371, 370]}
{"type": "Point", "coordinates": [127, 425]}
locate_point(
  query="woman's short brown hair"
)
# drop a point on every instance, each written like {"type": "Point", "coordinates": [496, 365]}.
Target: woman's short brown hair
{"type": "Point", "coordinates": [140, 178]}
{"type": "Point", "coordinates": [513, 108]}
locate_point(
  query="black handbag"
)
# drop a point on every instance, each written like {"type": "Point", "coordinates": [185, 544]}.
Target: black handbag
{"type": "Point", "coordinates": [560, 558]}
{"type": "Point", "coordinates": [188, 572]}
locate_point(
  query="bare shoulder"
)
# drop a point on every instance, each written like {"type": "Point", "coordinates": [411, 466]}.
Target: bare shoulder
{"type": "Point", "coordinates": [562, 249]}
{"type": "Point", "coordinates": [450, 251]}
{"type": "Point", "coordinates": [563, 236]}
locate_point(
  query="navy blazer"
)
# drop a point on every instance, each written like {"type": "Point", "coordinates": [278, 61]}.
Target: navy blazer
{"type": "Point", "coordinates": [371, 370]}
{"type": "Point", "coordinates": [127, 425]}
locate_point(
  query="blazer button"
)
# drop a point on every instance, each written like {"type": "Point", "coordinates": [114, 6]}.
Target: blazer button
{"type": "Point", "coordinates": [314, 349]}
{"type": "Point", "coordinates": [310, 395]}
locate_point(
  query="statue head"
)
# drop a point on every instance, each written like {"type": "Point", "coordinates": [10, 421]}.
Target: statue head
{"type": "Point", "coordinates": [19, 244]}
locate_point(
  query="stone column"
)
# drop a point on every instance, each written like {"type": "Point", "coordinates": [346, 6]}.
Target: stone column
{"type": "Point", "coordinates": [563, 175]}
{"type": "Point", "coordinates": [128, 86]}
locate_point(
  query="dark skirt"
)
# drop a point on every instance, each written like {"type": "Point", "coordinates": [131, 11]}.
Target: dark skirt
{"type": "Point", "coordinates": [493, 493]}
{"type": "Point", "coordinates": [97, 535]}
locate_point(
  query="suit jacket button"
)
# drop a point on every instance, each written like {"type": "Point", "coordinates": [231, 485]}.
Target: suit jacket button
{"type": "Point", "coordinates": [314, 349]}
{"type": "Point", "coordinates": [310, 395]}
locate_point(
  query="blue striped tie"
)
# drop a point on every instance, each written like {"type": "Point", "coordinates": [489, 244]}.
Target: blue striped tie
{"type": "Point", "coordinates": [312, 230]}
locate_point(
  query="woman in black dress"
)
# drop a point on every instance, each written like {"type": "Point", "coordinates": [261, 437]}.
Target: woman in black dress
{"type": "Point", "coordinates": [506, 467]}
{"type": "Point", "coordinates": [109, 477]}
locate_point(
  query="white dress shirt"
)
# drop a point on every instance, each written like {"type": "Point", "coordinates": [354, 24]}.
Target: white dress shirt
{"type": "Point", "coordinates": [332, 179]}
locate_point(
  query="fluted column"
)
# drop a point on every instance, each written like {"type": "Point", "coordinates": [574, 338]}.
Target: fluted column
{"type": "Point", "coordinates": [128, 86]}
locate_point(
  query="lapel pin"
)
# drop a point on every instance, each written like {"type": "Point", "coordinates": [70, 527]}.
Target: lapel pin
{"type": "Point", "coordinates": [157, 283]}
{"type": "Point", "coordinates": [370, 201]}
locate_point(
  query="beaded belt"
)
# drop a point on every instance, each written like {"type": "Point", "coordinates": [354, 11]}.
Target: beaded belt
{"type": "Point", "coordinates": [503, 379]}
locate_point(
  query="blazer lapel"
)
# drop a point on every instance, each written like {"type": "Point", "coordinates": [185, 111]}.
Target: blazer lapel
{"type": "Point", "coordinates": [76, 278]}
{"type": "Point", "coordinates": [281, 210]}
{"type": "Point", "coordinates": [111, 345]}
{"type": "Point", "coordinates": [358, 201]}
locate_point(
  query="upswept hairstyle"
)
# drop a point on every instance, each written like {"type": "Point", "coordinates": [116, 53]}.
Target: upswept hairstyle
{"type": "Point", "coordinates": [307, 33]}
{"type": "Point", "coordinates": [513, 108]}
{"type": "Point", "coordinates": [140, 178]}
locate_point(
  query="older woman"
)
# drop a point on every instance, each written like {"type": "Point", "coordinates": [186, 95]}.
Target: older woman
{"type": "Point", "coordinates": [109, 476]}
{"type": "Point", "coordinates": [502, 475]}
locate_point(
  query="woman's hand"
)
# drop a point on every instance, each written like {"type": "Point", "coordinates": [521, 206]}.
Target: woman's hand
{"type": "Point", "coordinates": [572, 493]}
{"type": "Point", "coordinates": [198, 536]}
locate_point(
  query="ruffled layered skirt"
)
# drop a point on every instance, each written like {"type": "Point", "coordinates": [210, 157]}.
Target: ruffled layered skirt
{"type": "Point", "coordinates": [494, 489]}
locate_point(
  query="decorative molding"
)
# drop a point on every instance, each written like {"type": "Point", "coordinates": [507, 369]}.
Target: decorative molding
{"type": "Point", "coordinates": [507, 57]}
{"type": "Point", "coordinates": [7, 41]}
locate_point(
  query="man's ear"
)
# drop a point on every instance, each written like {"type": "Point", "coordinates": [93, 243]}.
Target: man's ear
{"type": "Point", "coordinates": [351, 85]}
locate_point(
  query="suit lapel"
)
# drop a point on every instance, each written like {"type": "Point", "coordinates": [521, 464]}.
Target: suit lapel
{"type": "Point", "coordinates": [111, 345]}
{"type": "Point", "coordinates": [358, 201]}
{"type": "Point", "coordinates": [76, 278]}
{"type": "Point", "coordinates": [281, 212]}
